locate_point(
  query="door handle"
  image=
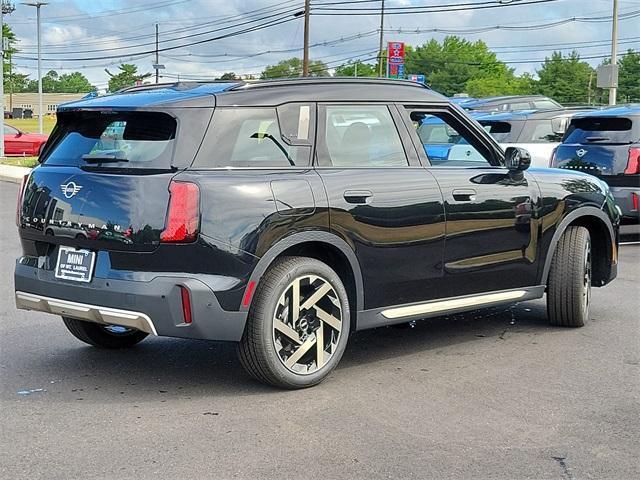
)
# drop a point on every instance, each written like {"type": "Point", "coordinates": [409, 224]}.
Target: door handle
{"type": "Point", "coordinates": [357, 196]}
{"type": "Point", "coordinates": [464, 195]}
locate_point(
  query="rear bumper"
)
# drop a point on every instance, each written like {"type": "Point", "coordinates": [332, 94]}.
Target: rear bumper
{"type": "Point", "coordinates": [624, 200]}
{"type": "Point", "coordinates": [153, 306]}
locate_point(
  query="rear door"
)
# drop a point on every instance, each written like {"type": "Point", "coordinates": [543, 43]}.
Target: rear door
{"type": "Point", "coordinates": [381, 201]}
{"type": "Point", "coordinates": [491, 226]}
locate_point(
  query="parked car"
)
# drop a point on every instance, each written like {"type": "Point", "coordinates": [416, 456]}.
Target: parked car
{"type": "Point", "coordinates": [17, 142]}
{"type": "Point", "coordinates": [512, 103]}
{"type": "Point", "coordinates": [284, 215]}
{"type": "Point", "coordinates": [539, 132]}
{"type": "Point", "coordinates": [606, 143]}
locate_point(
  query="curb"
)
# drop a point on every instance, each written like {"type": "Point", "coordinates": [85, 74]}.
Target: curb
{"type": "Point", "coordinates": [9, 173]}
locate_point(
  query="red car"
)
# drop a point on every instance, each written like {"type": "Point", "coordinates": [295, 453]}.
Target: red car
{"type": "Point", "coordinates": [22, 143]}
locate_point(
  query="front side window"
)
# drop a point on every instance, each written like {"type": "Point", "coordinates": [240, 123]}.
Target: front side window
{"type": "Point", "coordinates": [362, 136]}
{"type": "Point", "coordinates": [257, 137]}
{"type": "Point", "coordinates": [9, 130]}
{"type": "Point", "coordinates": [445, 142]}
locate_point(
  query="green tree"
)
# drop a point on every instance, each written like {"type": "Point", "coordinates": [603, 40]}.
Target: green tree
{"type": "Point", "coordinates": [228, 76]}
{"type": "Point", "coordinates": [450, 65]}
{"type": "Point", "coordinates": [293, 68]}
{"type": "Point", "coordinates": [504, 84]}
{"type": "Point", "coordinates": [126, 77]}
{"type": "Point", "coordinates": [565, 79]}
{"type": "Point", "coordinates": [74, 82]}
{"type": "Point", "coordinates": [350, 70]}
{"type": "Point", "coordinates": [629, 77]}
{"type": "Point", "coordinates": [8, 53]}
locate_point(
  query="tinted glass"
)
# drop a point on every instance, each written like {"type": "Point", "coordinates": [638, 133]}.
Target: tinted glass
{"type": "Point", "coordinates": [362, 136]}
{"type": "Point", "coordinates": [113, 139]}
{"type": "Point", "coordinates": [9, 130]}
{"type": "Point", "coordinates": [539, 131]}
{"type": "Point", "coordinates": [251, 137]}
{"type": "Point", "coordinates": [457, 152]}
{"type": "Point", "coordinates": [600, 130]}
{"type": "Point", "coordinates": [501, 131]}
{"type": "Point", "coordinates": [519, 106]}
{"type": "Point", "coordinates": [545, 105]}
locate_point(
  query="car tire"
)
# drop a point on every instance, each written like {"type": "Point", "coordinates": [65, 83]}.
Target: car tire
{"type": "Point", "coordinates": [103, 336]}
{"type": "Point", "coordinates": [569, 283]}
{"type": "Point", "coordinates": [299, 304]}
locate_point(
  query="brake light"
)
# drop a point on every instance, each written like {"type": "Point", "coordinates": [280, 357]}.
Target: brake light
{"type": "Point", "coordinates": [186, 304]}
{"type": "Point", "coordinates": [633, 163]}
{"type": "Point", "coordinates": [183, 216]}
{"type": "Point", "coordinates": [23, 185]}
{"type": "Point", "coordinates": [634, 201]}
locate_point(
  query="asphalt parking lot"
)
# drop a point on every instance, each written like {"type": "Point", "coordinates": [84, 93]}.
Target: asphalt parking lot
{"type": "Point", "coordinates": [490, 394]}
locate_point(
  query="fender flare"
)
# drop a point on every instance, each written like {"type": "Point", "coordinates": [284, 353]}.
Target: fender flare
{"type": "Point", "coordinates": [304, 237]}
{"type": "Point", "coordinates": [562, 226]}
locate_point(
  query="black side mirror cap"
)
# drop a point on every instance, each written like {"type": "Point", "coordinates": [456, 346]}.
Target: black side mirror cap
{"type": "Point", "coordinates": [517, 159]}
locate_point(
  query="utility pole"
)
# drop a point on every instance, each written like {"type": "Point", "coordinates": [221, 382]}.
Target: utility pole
{"type": "Point", "coordinates": [305, 54]}
{"type": "Point", "coordinates": [5, 9]}
{"type": "Point", "coordinates": [613, 91]}
{"type": "Point", "coordinates": [40, 107]}
{"type": "Point", "coordinates": [157, 64]}
{"type": "Point", "coordinates": [381, 55]}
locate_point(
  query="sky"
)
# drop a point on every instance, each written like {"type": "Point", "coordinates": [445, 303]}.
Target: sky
{"type": "Point", "coordinates": [104, 33]}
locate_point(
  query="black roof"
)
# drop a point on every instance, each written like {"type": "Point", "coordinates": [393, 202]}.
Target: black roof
{"type": "Point", "coordinates": [262, 92]}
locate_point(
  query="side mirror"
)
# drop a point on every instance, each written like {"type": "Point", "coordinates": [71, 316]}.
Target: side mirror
{"type": "Point", "coordinates": [517, 159]}
{"type": "Point", "coordinates": [19, 134]}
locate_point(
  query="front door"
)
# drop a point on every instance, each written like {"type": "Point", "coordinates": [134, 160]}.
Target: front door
{"type": "Point", "coordinates": [491, 225]}
{"type": "Point", "coordinates": [381, 201]}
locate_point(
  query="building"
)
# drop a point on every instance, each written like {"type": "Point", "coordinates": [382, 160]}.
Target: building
{"type": "Point", "coordinates": [29, 101]}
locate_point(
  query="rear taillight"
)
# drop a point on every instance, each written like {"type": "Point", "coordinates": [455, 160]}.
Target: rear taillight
{"type": "Point", "coordinates": [23, 185]}
{"type": "Point", "coordinates": [183, 217]}
{"type": "Point", "coordinates": [633, 163]}
{"type": "Point", "coordinates": [553, 157]}
{"type": "Point", "coordinates": [186, 304]}
{"type": "Point", "coordinates": [634, 202]}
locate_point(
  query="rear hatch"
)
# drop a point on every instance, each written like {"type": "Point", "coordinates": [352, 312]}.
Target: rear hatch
{"type": "Point", "coordinates": [603, 146]}
{"type": "Point", "coordinates": [104, 181]}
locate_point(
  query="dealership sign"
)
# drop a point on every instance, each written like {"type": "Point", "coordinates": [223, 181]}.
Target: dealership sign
{"type": "Point", "coordinates": [395, 62]}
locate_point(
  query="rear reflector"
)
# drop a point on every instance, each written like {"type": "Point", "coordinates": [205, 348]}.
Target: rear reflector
{"type": "Point", "coordinates": [186, 304]}
{"type": "Point", "coordinates": [633, 164]}
{"type": "Point", "coordinates": [183, 217]}
{"type": "Point", "coordinates": [248, 293]}
{"type": "Point", "coordinates": [634, 201]}
{"type": "Point", "coordinates": [23, 185]}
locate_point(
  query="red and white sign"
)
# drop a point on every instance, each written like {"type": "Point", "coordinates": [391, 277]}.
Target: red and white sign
{"type": "Point", "coordinates": [395, 64]}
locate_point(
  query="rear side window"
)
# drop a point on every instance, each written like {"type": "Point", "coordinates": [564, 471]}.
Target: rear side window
{"type": "Point", "coordinates": [545, 105]}
{"type": "Point", "coordinates": [361, 136]}
{"type": "Point", "coordinates": [539, 131]}
{"type": "Point", "coordinates": [500, 131]}
{"type": "Point", "coordinates": [113, 139]}
{"type": "Point", "coordinates": [599, 130]}
{"type": "Point", "coordinates": [257, 137]}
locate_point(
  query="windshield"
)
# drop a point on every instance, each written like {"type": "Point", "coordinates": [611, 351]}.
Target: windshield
{"type": "Point", "coordinates": [113, 139]}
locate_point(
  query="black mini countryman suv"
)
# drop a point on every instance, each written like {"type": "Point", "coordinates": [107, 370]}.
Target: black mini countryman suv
{"type": "Point", "coordinates": [285, 215]}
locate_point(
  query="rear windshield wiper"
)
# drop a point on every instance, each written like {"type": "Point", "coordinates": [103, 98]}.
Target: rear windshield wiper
{"type": "Point", "coordinates": [103, 158]}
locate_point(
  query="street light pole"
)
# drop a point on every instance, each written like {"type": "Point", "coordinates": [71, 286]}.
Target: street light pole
{"type": "Point", "coordinates": [40, 107]}
{"type": "Point", "coordinates": [613, 91]}
{"type": "Point", "coordinates": [5, 9]}
{"type": "Point", "coordinates": [305, 53]}
{"type": "Point", "coordinates": [381, 54]}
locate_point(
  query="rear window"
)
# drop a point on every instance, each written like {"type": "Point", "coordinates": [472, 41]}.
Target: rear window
{"type": "Point", "coordinates": [500, 131]}
{"type": "Point", "coordinates": [113, 139]}
{"type": "Point", "coordinates": [599, 130]}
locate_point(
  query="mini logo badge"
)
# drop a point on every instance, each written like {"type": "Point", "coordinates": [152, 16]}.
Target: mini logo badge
{"type": "Point", "coordinates": [70, 189]}
{"type": "Point", "coordinates": [581, 152]}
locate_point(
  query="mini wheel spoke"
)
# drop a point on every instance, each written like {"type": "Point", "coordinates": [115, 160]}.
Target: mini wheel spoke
{"type": "Point", "coordinates": [317, 295]}
{"type": "Point", "coordinates": [302, 349]}
{"type": "Point", "coordinates": [287, 330]}
{"type": "Point", "coordinates": [320, 346]}
{"type": "Point", "coordinates": [332, 321]}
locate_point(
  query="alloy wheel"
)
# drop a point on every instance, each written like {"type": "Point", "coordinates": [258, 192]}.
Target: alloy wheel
{"type": "Point", "coordinates": [307, 324]}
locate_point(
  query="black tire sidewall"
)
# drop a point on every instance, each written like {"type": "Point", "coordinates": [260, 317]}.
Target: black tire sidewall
{"type": "Point", "coordinates": [278, 284]}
